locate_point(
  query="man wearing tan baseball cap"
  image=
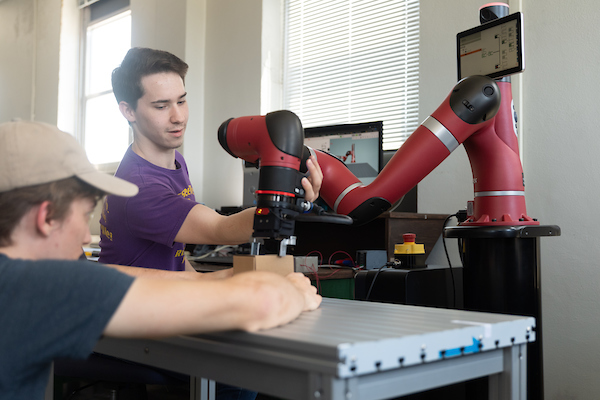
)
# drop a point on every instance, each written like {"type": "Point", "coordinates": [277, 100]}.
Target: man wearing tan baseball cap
{"type": "Point", "coordinates": [55, 306]}
{"type": "Point", "coordinates": [62, 157]}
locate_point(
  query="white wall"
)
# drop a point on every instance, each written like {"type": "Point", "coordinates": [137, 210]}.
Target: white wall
{"type": "Point", "coordinates": [29, 42]}
{"type": "Point", "coordinates": [562, 164]}
{"type": "Point", "coordinates": [221, 42]}
{"type": "Point", "coordinates": [195, 49]}
{"type": "Point", "coordinates": [233, 85]}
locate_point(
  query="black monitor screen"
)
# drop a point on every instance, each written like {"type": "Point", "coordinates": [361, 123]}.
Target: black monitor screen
{"type": "Point", "coordinates": [359, 146]}
{"type": "Point", "coordinates": [494, 49]}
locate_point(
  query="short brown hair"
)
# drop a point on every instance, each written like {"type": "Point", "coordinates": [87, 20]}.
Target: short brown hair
{"type": "Point", "coordinates": [15, 203]}
{"type": "Point", "coordinates": [138, 63]}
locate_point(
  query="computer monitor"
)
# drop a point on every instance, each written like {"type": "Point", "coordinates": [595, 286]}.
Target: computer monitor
{"type": "Point", "coordinates": [358, 145]}
{"type": "Point", "coordinates": [494, 49]}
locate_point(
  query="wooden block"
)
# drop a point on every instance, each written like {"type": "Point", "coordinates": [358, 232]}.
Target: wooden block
{"type": "Point", "coordinates": [269, 262]}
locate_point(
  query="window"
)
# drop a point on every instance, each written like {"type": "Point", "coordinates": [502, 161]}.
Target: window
{"type": "Point", "coordinates": [107, 38]}
{"type": "Point", "coordinates": [353, 61]}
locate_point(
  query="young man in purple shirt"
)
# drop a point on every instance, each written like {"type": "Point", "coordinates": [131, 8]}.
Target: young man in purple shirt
{"type": "Point", "coordinates": [151, 229]}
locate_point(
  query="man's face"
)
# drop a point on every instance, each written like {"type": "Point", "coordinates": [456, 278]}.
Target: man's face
{"type": "Point", "coordinates": [162, 112]}
{"type": "Point", "coordinates": [70, 234]}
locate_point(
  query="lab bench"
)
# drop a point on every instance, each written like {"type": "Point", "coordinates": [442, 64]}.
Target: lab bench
{"type": "Point", "coordinates": [350, 350]}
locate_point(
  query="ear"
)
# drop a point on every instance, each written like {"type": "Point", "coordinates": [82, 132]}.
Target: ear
{"type": "Point", "coordinates": [43, 224]}
{"type": "Point", "coordinates": [127, 111]}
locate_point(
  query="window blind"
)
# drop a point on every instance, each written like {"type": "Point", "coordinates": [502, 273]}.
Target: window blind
{"type": "Point", "coordinates": [351, 61]}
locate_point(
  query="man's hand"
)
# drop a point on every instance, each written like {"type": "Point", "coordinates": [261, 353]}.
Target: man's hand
{"type": "Point", "coordinates": [312, 300]}
{"type": "Point", "coordinates": [312, 184]}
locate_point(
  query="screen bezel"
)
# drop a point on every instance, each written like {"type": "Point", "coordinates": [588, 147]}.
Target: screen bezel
{"type": "Point", "coordinates": [518, 16]}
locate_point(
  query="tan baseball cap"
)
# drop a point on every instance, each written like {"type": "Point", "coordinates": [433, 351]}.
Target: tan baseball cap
{"type": "Point", "coordinates": [33, 153]}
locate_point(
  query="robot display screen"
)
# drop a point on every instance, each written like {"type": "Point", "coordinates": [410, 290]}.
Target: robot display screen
{"type": "Point", "coordinates": [359, 146]}
{"type": "Point", "coordinates": [494, 49]}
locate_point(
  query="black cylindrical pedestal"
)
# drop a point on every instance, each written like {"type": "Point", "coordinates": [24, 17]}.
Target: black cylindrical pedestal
{"type": "Point", "coordinates": [501, 274]}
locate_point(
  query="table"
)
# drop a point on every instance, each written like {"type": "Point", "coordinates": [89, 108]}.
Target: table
{"type": "Point", "coordinates": [351, 350]}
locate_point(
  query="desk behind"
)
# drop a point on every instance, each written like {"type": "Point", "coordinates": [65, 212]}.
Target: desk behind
{"type": "Point", "coordinates": [331, 281]}
{"type": "Point", "coordinates": [382, 233]}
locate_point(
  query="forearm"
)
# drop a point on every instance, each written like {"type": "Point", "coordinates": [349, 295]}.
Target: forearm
{"type": "Point", "coordinates": [236, 228]}
{"type": "Point", "coordinates": [250, 302]}
{"type": "Point", "coordinates": [157, 273]}
{"type": "Point", "coordinates": [205, 226]}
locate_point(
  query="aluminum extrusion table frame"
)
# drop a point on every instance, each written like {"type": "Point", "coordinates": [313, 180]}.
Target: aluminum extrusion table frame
{"type": "Point", "coordinates": [350, 350]}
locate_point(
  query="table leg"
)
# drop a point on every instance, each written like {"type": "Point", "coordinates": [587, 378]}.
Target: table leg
{"type": "Point", "coordinates": [511, 384]}
{"type": "Point", "coordinates": [202, 389]}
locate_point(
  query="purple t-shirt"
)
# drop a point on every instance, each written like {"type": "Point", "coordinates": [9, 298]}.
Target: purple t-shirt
{"type": "Point", "coordinates": [140, 231]}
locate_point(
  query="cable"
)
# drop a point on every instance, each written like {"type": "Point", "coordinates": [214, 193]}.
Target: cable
{"type": "Point", "coordinates": [333, 273]}
{"type": "Point", "coordinates": [316, 273]}
{"type": "Point", "coordinates": [388, 264]}
{"type": "Point", "coordinates": [448, 258]}
{"type": "Point", "coordinates": [312, 212]}
{"type": "Point", "coordinates": [461, 252]}
{"type": "Point", "coordinates": [216, 250]}
{"type": "Point", "coordinates": [342, 252]}
{"type": "Point", "coordinates": [312, 269]}
{"type": "Point", "coordinates": [319, 253]}
{"type": "Point", "coordinates": [326, 217]}
{"type": "Point", "coordinates": [79, 389]}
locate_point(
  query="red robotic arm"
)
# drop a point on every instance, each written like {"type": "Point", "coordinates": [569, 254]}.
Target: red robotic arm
{"type": "Point", "coordinates": [275, 142]}
{"type": "Point", "coordinates": [476, 113]}
{"type": "Point", "coordinates": [468, 115]}
{"type": "Point", "coordinates": [498, 180]}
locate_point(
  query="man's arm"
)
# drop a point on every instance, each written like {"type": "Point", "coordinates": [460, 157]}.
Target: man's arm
{"type": "Point", "coordinates": [187, 275]}
{"type": "Point", "coordinates": [203, 225]}
{"type": "Point", "coordinates": [249, 301]}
